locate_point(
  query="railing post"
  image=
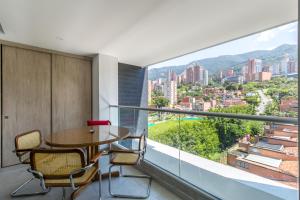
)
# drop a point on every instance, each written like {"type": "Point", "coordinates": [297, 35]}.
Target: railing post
{"type": "Point", "coordinates": [179, 138]}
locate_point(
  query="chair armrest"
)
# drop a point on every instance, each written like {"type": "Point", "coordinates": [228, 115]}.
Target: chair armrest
{"type": "Point", "coordinates": [26, 150]}
{"type": "Point", "coordinates": [78, 171]}
{"type": "Point", "coordinates": [21, 150]}
{"type": "Point", "coordinates": [96, 157]}
{"type": "Point", "coordinates": [124, 151]}
{"type": "Point", "coordinates": [133, 137]}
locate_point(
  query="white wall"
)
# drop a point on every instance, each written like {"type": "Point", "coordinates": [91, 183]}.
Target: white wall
{"type": "Point", "coordinates": [105, 87]}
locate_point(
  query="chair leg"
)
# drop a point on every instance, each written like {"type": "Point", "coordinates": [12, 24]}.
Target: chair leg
{"type": "Point", "coordinates": [109, 179]}
{"type": "Point", "coordinates": [130, 176]}
{"type": "Point", "coordinates": [63, 193]}
{"type": "Point", "coordinates": [100, 187]}
{"type": "Point", "coordinates": [14, 193]}
{"type": "Point", "coordinates": [121, 170]}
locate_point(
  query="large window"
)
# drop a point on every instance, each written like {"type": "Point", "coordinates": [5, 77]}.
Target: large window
{"type": "Point", "coordinates": [254, 75]}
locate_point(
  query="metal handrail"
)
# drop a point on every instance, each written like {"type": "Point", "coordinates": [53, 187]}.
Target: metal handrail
{"type": "Point", "coordinates": [286, 120]}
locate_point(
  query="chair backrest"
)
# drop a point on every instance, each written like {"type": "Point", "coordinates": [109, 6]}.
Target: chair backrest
{"type": "Point", "coordinates": [98, 122]}
{"type": "Point", "coordinates": [56, 163]}
{"type": "Point", "coordinates": [27, 141]}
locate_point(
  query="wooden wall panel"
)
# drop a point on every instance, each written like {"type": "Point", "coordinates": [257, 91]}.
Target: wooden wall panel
{"type": "Point", "coordinates": [71, 92]}
{"type": "Point", "coordinates": [26, 96]}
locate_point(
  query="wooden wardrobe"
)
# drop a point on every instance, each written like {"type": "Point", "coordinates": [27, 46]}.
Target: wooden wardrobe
{"type": "Point", "coordinates": [43, 90]}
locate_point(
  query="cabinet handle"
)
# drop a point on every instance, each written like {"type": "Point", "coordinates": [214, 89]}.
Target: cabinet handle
{"type": "Point", "coordinates": [5, 117]}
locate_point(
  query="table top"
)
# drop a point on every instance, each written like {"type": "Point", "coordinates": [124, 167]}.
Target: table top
{"type": "Point", "coordinates": [82, 137]}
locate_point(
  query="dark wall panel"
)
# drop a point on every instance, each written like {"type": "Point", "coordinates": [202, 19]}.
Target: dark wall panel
{"type": "Point", "coordinates": [131, 81]}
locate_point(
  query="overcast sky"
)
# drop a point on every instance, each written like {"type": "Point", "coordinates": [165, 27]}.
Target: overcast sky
{"type": "Point", "coordinates": [267, 40]}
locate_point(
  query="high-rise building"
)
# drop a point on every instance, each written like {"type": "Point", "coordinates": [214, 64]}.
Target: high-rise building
{"type": "Point", "coordinates": [201, 75]}
{"type": "Point", "coordinates": [172, 76]}
{"type": "Point", "coordinates": [229, 72]}
{"type": "Point", "coordinates": [258, 65]}
{"type": "Point", "coordinates": [275, 69]}
{"type": "Point", "coordinates": [291, 66]}
{"type": "Point", "coordinates": [182, 76]}
{"type": "Point", "coordinates": [170, 91]}
{"type": "Point", "coordinates": [267, 68]}
{"type": "Point", "coordinates": [244, 71]}
{"type": "Point", "coordinates": [189, 75]}
{"type": "Point", "coordinates": [205, 77]}
{"type": "Point", "coordinates": [197, 73]}
{"type": "Point", "coordinates": [283, 64]}
{"type": "Point", "coordinates": [160, 81]}
{"type": "Point", "coordinates": [254, 66]}
{"type": "Point", "coordinates": [221, 75]}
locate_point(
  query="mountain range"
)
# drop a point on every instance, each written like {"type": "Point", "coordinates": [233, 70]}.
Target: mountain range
{"type": "Point", "coordinates": [214, 65]}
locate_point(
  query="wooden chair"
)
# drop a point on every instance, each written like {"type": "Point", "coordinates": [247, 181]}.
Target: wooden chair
{"type": "Point", "coordinates": [129, 158]}
{"type": "Point", "coordinates": [24, 144]}
{"type": "Point", "coordinates": [64, 168]}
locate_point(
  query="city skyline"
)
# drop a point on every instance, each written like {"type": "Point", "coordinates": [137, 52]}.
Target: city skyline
{"type": "Point", "coordinates": [285, 34]}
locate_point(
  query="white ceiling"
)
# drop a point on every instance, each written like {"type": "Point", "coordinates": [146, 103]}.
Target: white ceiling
{"type": "Point", "coordinates": [139, 32]}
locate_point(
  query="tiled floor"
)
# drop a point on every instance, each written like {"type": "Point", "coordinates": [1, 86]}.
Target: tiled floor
{"type": "Point", "coordinates": [12, 177]}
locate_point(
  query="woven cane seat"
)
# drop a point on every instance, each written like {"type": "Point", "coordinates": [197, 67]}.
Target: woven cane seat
{"type": "Point", "coordinates": [124, 158]}
{"type": "Point", "coordinates": [79, 181]}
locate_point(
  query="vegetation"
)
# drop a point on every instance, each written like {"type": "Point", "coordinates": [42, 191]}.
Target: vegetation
{"type": "Point", "coordinates": [272, 109]}
{"type": "Point", "coordinates": [197, 137]}
{"type": "Point", "coordinates": [281, 87]}
{"type": "Point", "coordinates": [208, 137]}
{"type": "Point", "coordinates": [232, 86]}
{"type": "Point", "coordinates": [253, 100]}
{"type": "Point", "coordinates": [229, 130]}
{"type": "Point", "coordinates": [187, 89]}
{"type": "Point", "coordinates": [160, 102]}
{"type": "Point", "coordinates": [212, 136]}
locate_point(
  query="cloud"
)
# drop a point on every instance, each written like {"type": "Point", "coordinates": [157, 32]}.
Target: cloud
{"type": "Point", "coordinates": [270, 34]}
{"type": "Point", "coordinates": [292, 30]}
{"type": "Point", "coordinates": [266, 35]}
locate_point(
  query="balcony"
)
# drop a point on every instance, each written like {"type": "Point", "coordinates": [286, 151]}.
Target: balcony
{"type": "Point", "coordinates": [63, 63]}
{"type": "Point", "coordinates": [264, 165]}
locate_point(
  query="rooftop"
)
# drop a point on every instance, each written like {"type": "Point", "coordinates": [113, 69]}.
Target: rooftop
{"type": "Point", "coordinates": [274, 147]}
{"type": "Point", "coordinates": [291, 150]}
{"type": "Point", "coordinates": [290, 167]}
{"type": "Point", "coordinates": [264, 160]}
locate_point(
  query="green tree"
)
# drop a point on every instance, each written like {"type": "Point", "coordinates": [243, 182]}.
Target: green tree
{"type": "Point", "coordinates": [160, 102]}
{"type": "Point", "coordinates": [229, 130]}
{"type": "Point", "coordinates": [272, 109]}
{"type": "Point", "coordinates": [253, 100]}
{"type": "Point", "coordinates": [196, 137]}
{"type": "Point", "coordinates": [157, 93]}
{"type": "Point", "coordinates": [232, 86]}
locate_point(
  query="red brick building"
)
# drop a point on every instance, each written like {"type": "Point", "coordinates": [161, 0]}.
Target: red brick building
{"type": "Point", "coordinates": [274, 156]}
{"type": "Point", "coordinates": [289, 104]}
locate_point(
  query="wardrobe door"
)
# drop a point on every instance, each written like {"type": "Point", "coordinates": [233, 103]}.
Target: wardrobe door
{"type": "Point", "coordinates": [71, 92]}
{"type": "Point", "coordinates": [26, 96]}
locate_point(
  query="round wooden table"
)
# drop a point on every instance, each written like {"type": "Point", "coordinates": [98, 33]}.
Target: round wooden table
{"type": "Point", "coordinates": [84, 138]}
